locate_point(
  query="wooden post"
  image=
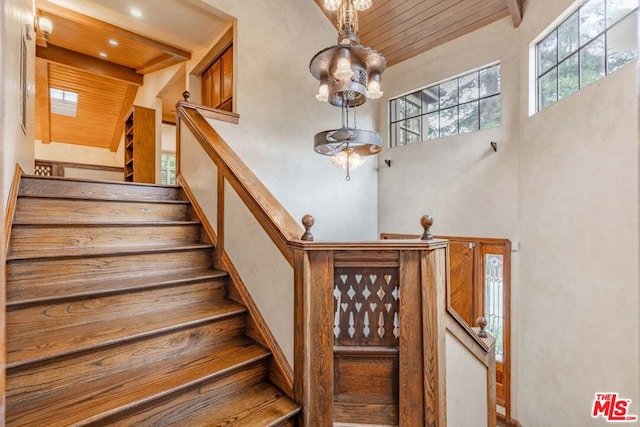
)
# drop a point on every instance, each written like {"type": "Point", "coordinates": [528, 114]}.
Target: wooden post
{"type": "Point", "coordinates": [313, 338]}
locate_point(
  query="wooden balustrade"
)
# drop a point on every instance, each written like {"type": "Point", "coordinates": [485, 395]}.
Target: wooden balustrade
{"type": "Point", "coordinates": [369, 317]}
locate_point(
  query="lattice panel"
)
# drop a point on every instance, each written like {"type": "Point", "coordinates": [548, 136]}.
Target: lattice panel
{"type": "Point", "coordinates": [366, 302]}
{"type": "Point", "coordinates": [43, 170]}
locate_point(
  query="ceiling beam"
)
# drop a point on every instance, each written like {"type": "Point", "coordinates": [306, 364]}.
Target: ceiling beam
{"type": "Point", "coordinates": [89, 63]}
{"type": "Point", "coordinates": [42, 92]}
{"type": "Point", "coordinates": [132, 90]}
{"type": "Point", "coordinates": [156, 64]}
{"type": "Point", "coordinates": [114, 30]}
{"type": "Point", "coordinates": [515, 8]}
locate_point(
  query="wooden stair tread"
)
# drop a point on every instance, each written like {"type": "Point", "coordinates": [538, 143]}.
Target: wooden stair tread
{"type": "Point", "coordinates": [259, 405]}
{"type": "Point", "coordinates": [108, 251]}
{"type": "Point", "coordinates": [34, 186]}
{"type": "Point", "coordinates": [104, 199]}
{"type": "Point", "coordinates": [46, 344]}
{"type": "Point", "coordinates": [30, 295]}
{"type": "Point", "coordinates": [97, 398]}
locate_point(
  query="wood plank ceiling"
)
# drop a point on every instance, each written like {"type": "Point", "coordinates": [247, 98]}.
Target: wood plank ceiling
{"type": "Point", "coordinates": [403, 29]}
{"type": "Point", "coordinates": [102, 63]}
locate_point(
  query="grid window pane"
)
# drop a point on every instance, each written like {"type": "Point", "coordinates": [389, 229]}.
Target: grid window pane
{"type": "Point", "coordinates": [433, 125]}
{"type": "Point", "coordinates": [413, 105]}
{"type": "Point", "coordinates": [469, 120]}
{"type": "Point", "coordinates": [617, 9]}
{"type": "Point", "coordinates": [449, 122]}
{"type": "Point", "coordinates": [449, 93]}
{"type": "Point", "coordinates": [393, 104]}
{"type": "Point", "coordinates": [394, 134]}
{"type": "Point", "coordinates": [548, 89]}
{"type": "Point", "coordinates": [568, 37]}
{"type": "Point", "coordinates": [548, 52]}
{"type": "Point", "coordinates": [592, 62]}
{"type": "Point", "coordinates": [490, 81]}
{"type": "Point", "coordinates": [490, 112]}
{"type": "Point", "coordinates": [591, 20]}
{"type": "Point", "coordinates": [622, 43]}
{"type": "Point", "coordinates": [568, 77]}
{"type": "Point", "coordinates": [412, 130]}
{"type": "Point", "coordinates": [468, 88]}
{"type": "Point", "coordinates": [430, 97]}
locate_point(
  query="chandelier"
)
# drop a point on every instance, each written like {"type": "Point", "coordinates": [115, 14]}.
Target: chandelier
{"type": "Point", "coordinates": [348, 74]}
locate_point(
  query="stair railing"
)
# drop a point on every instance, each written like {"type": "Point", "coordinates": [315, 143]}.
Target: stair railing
{"type": "Point", "coordinates": [362, 322]}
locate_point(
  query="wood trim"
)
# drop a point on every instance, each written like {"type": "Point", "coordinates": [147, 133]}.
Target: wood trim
{"type": "Point", "coordinates": [113, 29]}
{"type": "Point", "coordinates": [156, 64]}
{"type": "Point", "coordinates": [220, 209]}
{"type": "Point", "coordinates": [434, 276]}
{"type": "Point", "coordinates": [11, 208]}
{"type": "Point", "coordinates": [44, 104]}
{"type": "Point", "coordinates": [515, 9]}
{"type": "Point", "coordinates": [89, 64]}
{"type": "Point", "coordinates": [132, 90]}
{"type": "Point", "coordinates": [416, 325]}
{"type": "Point", "coordinates": [215, 113]}
{"type": "Point", "coordinates": [271, 215]}
{"type": "Point", "coordinates": [313, 354]}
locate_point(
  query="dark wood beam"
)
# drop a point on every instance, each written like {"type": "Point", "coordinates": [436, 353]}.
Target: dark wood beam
{"type": "Point", "coordinates": [132, 90]}
{"type": "Point", "coordinates": [88, 63]}
{"type": "Point", "coordinates": [42, 92]}
{"type": "Point", "coordinates": [515, 8]}
{"type": "Point", "coordinates": [113, 30]}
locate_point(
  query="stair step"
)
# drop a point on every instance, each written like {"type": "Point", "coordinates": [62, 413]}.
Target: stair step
{"type": "Point", "coordinates": [30, 210]}
{"type": "Point", "coordinates": [28, 293]}
{"type": "Point", "coordinates": [70, 253]}
{"type": "Point", "coordinates": [74, 188]}
{"type": "Point", "coordinates": [99, 383]}
{"type": "Point", "coordinates": [28, 239]}
{"type": "Point", "coordinates": [60, 275]}
{"type": "Point", "coordinates": [260, 404]}
{"type": "Point", "coordinates": [43, 331]}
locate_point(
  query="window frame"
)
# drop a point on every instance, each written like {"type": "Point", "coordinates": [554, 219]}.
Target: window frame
{"type": "Point", "coordinates": [569, 14]}
{"type": "Point", "coordinates": [424, 113]}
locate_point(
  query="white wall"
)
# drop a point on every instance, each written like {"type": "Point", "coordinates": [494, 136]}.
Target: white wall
{"type": "Point", "coordinates": [564, 183]}
{"type": "Point", "coordinates": [279, 117]}
{"type": "Point", "coordinates": [17, 145]}
{"type": "Point", "coordinates": [579, 253]}
{"type": "Point", "coordinates": [61, 152]}
{"type": "Point", "coordinates": [466, 384]}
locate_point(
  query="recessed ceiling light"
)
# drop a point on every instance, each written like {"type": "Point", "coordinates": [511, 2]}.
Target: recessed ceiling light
{"type": "Point", "coordinates": [103, 54]}
{"type": "Point", "coordinates": [136, 13]}
{"type": "Point", "coordinates": [113, 42]}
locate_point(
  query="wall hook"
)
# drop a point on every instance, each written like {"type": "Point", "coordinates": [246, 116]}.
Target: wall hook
{"type": "Point", "coordinates": [388, 162]}
{"type": "Point", "coordinates": [494, 145]}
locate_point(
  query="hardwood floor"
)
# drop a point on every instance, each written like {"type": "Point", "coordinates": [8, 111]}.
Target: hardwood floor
{"type": "Point", "coordinates": [115, 315]}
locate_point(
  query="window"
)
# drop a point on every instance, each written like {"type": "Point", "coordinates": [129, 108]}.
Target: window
{"type": "Point", "coordinates": [595, 40]}
{"type": "Point", "coordinates": [168, 168]}
{"type": "Point", "coordinates": [459, 105]}
{"type": "Point", "coordinates": [63, 102]}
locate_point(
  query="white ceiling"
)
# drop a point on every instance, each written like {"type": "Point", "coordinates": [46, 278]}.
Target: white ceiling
{"type": "Point", "coordinates": [188, 24]}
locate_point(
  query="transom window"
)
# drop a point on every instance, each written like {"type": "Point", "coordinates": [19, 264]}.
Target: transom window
{"type": "Point", "coordinates": [595, 40]}
{"type": "Point", "coordinates": [458, 105]}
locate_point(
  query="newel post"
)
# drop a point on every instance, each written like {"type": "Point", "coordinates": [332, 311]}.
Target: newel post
{"type": "Point", "coordinates": [313, 334]}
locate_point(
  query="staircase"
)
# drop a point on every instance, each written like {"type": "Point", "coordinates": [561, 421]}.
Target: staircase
{"type": "Point", "coordinates": [115, 315]}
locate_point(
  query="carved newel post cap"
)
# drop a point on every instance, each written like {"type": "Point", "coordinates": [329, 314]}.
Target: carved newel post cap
{"type": "Point", "coordinates": [186, 95]}
{"type": "Point", "coordinates": [426, 221]}
{"type": "Point", "coordinates": [482, 322]}
{"type": "Point", "coordinates": [307, 222]}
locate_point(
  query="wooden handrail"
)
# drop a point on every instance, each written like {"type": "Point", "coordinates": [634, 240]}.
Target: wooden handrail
{"type": "Point", "coordinates": [270, 214]}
